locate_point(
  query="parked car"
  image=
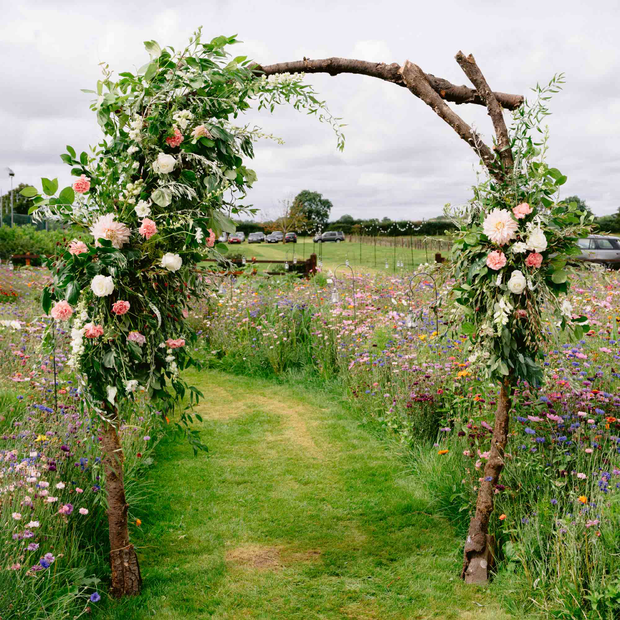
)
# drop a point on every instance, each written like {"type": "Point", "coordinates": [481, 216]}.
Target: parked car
{"type": "Point", "coordinates": [340, 235]}
{"type": "Point", "coordinates": [275, 237]}
{"type": "Point", "coordinates": [256, 237]}
{"type": "Point", "coordinates": [331, 236]}
{"type": "Point", "coordinates": [236, 238]}
{"type": "Point", "coordinates": [317, 238]}
{"type": "Point", "coordinates": [290, 237]}
{"type": "Point", "coordinates": [600, 249]}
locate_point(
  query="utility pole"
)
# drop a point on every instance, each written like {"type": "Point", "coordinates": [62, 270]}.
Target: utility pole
{"type": "Point", "coordinates": [11, 175]}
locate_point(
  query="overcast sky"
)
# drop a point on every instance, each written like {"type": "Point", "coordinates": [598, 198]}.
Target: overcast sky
{"type": "Point", "coordinates": [400, 159]}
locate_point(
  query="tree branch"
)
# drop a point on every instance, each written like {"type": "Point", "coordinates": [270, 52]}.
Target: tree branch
{"type": "Point", "coordinates": [472, 71]}
{"type": "Point", "coordinates": [390, 73]}
{"type": "Point", "coordinates": [417, 82]}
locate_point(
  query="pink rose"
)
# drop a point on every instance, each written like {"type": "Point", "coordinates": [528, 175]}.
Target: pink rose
{"type": "Point", "coordinates": [62, 311]}
{"type": "Point", "coordinates": [496, 260]}
{"type": "Point", "coordinates": [534, 260]}
{"type": "Point", "coordinates": [77, 247]}
{"type": "Point", "coordinates": [82, 185]}
{"type": "Point", "coordinates": [120, 307]}
{"type": "Point", "coordinates": [520, 211]}
{"type": "Point", "coordinates": [93, 331]}
{"type": "Point", "coordinates": [136, 337]}
{"type": "Point", "coordinates": [148, 228]}
{"type": "Point", "coordinates": [211, 240]}
{"type": "Point", "coordinates": [175, 344]}
{"type": "Point", "coordinates": [175, 140]}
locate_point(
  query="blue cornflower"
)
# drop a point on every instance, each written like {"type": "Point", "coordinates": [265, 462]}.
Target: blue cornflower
{"type": "Point", "coordinates": [95, 597]}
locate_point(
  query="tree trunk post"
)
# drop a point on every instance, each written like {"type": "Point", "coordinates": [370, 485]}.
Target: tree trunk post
{"type": "Point", "coordinates": [478, 553]}
{"type": "Point", "coordinates": [126, 578]}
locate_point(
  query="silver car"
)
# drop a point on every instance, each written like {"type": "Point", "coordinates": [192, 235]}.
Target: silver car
{"type": "Point", "coordinates": [600, 249]}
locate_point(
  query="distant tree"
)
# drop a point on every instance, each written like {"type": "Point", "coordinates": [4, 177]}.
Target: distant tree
{"type": "Point", "coordinates": [21, 204]}
{"type": "Point", "coordinates": [291, 218]}
{"type": "Point", "coordinates": [346, 219]}
{"type": "Point", "coordinates": [580, 203]}
{"type": "Point", "coordinates": [386, 220]}
{"type": "Point", "coordinates": [314, 207]}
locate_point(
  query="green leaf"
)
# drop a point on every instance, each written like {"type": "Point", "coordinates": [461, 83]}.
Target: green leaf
{"type": "Point", "coordinates": [222, 248]}
{"type": "Point", "coordinates": [207, 142]}
{"type": "Point", "coordinates": [471, 239]}
{"type": "Point", "coordinates": [46, 300]}
{"type": "Point", "coordinates": [152, 47]}
{"type": "Point", "coordinates": [162, 196]}
{"type": "Point", "coordinates": [84, 158]}
{"type": "Point", "coordinates": [72, 292]}
{"type": "Point", "coordinates": [29, 191]}
{"type": "Point", "coordinates": [71, 150]}
{"type": "Point", "coordinates": [560, 276]}
{"type": "Point", "coordinates": [67, 196]}
{"type": "Point", "coordinates": [151, 71]}
{"type": "Point", "coordinates": [50, 187]}
{"type": "Point", "coordinates": [468, 328]}
{"type": "Point", "coordinates": [109, 359]}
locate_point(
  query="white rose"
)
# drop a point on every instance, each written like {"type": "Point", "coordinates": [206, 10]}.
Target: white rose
{"type": "Point", "coordinates": [537, 242]}
{"type": "Point", "coordinates": [164, 164]}
{"type": "Point", "coordinates": [517, 282]}
{"type": "Point", "coordinates": [102, 286]}
{"type": "Point", "coordinates": [143, 208]}
{"type": "Point", "coordinates": [171, 262]}
{"type": "Point", "coordinates": [519, 247]}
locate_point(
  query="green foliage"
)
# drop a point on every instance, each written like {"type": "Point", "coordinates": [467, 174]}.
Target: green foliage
{"type": "Point", "coordinates": [314, 207]}
{"type": "Point", "coordinates": [27, 239]}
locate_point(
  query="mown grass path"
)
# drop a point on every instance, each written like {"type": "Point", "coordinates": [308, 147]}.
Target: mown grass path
{"type": "Point", "coordinates": [298, 511]}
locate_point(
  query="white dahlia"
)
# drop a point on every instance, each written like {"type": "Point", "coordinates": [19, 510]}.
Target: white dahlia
{"type": "Point", "coordinates": [499, 226]}
{"type": "Point", "coordinates": [106, 227]}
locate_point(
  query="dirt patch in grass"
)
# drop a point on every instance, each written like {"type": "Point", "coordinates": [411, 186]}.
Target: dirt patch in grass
{"type": "Point", "coordinates": [269, 558]}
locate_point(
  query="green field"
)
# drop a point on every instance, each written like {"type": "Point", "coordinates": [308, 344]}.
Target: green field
{"type": "Point", "coordinates": [364, 255]}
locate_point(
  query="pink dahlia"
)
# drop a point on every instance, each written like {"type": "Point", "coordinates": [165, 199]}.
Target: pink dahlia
{"type": "Point", "coordinates": [62, 311]}
{"type": "Point", "coordinates": [120, 307]}
{"type": "Point", "coordinates": [175, 344]}
{"type": "Point", "coordinates": [148, 228]}
{"type": "Point", "coordinates": [499, 226]}
{"type": "Point", "coordinates": [93, 331]}
{"type": "Point", "coordinates": [77, 247]}
{"type": "Point", "coordinates": [82, 185]}
{"type": "Point", "coordinates": [175, 140]}
{"type": "Point", "coordinates": [534, 260]}
{"type": "Point", "coordinates": [496, 260]}
{"type": "Point", "coordinates": [520, 211]}
{"type": "Point", "coordinates": [136, 337]}
{"type": "Point", "coordinates": [211, 240]}
{"type": "Point", "coordinates": [106, 227]}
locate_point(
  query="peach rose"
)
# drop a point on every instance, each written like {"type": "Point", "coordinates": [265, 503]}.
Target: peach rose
{"type": "Point", "coordinates": [77, 247]}
{"type": "Point", "coordinates": [520, 211]}
{"type": "Point", "coordinates": [62, 311]}
{"type": "Point", "coordinates": [496, 260]}
{"type": "Point", "coordinates": [534, 260]}
{"type": "Point", "coordinates": [120, 307]}
{"type": "Point", "coordinates": [175, 140]}
{"type": "Point", "coordinates": [93, 331]}
{"type": "Point", "coordinates": [82, 185]}
{"type": "Point", "coordinates": [148, 228]}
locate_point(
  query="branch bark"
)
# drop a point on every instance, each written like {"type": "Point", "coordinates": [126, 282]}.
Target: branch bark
{"type": "Point", "coordinates": [390, 73]}
{"type": "Point", "coordinates": [478, 553]}
{"type": "Point", "coordinates": [472, 71]}
{"type": "Point", "coordinates": [418, 84]}
{"type": "Point", "coordinates": [126, 578]}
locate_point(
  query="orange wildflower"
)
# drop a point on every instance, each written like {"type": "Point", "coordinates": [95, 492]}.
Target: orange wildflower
{"type": "Point", "coordinates": [502, 517]}
{"type": "Point", "coordinates": [443, 451]}
{"type": "Point", "coordinates": [583, 499]}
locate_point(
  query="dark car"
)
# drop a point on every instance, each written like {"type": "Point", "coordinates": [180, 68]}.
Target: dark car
{"type": "Point", "coordinates": [331, 236]}
{"type": "Point", "coordinates": [256, 237]}
{"type": "Point", "coordinates": [236, 238]}
{"type": "Point", "coordinates": [290, 238]}
{"type": "Point", "coordinates": [600, 249]}
{"type": "Point", "coordinates": [275, 237]}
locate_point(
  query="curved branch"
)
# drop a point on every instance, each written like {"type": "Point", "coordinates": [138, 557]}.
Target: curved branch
{"type": "Point", "coordinates": [472, 71]}
{"type": "Point", "coordinates": [390, 73]}
{"type": "Point", "coordinates": [417, 82]}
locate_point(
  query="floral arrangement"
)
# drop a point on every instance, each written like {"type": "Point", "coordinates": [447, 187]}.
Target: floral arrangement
{"type": "Point", "coordinates": [513, 250]}
{"type": "Point", "coordinates": [154, 194]}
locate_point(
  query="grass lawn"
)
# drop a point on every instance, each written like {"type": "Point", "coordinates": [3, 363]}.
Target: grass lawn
{"type": "Point", "coordinates": [298, 511]}
{"type": "Point", "coordinates": [334, 254]}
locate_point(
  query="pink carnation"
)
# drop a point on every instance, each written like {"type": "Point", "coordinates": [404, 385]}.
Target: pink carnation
{"type": "Point", "coordinates": [520, 211]}
{"type": "Point", "coordinates": [211, 240]}
{"type": "Point", "coordinates": [175, 140]}
{"type": "Point", "coordinates": [534, 259]}
{"type": "Point", "coordinates": [82, 185]}
{"type": "Point", "coordinates": [62, 311]}
{"type": "Point", "coordinates": [148, 228]}
{"type": "Point", "coordinates": [77, 247]}
{"type": "Point", "coordinates": [93, 331]}
{"type": "Point", "coordinates": [120, 307]}
{"type": "Point", "coordinates": [136, 337]}
{"type": "Point", "coordinates": [175, 344]}
{"type": "Point", "coordinates": [496, 260]}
